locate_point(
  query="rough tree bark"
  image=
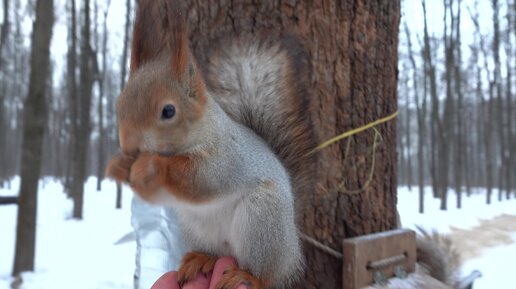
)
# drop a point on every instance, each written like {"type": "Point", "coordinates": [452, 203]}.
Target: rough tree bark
{"type": "Point", "coordinates": [33, 131]}
{"type": "Point", "coordinates": [352, 46]}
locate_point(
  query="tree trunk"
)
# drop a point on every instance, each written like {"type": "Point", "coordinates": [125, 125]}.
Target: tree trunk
{"type": "Point", "coordinates": [408, 121]}
{"type": "Point", "coordinates": [460, 144]}
{"type": "Point", "coordinates": [497, 82]}
{"type": "Point", "coordinates": [421, 118]}
{"type": "Point", "coordinates": [100, 108]}
{"type": "Point", "coordinates": [72, 94]}
{"type": "Point", "coordinates": [430, 74]}
{"type": "Point", "coordinates": [352, 47]}
{"type": "Point", "coordinates": [123, 74]}
{"type": "Point", "coordinates": [509, 172]}
{"type": "Point", "coordinates": [4, 34]}
{"type": "Point", "coordinates": [4, 31]}
{"type": "Point", "coordinates": [33, 131]}
{"type": "Point", "coordinates": [83, 133]}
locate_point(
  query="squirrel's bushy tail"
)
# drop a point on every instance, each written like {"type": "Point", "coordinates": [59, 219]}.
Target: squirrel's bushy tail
{"type": "Point", "coordinates": [262, 84]}
{"type": "Point", "coordinates": [436, 253]}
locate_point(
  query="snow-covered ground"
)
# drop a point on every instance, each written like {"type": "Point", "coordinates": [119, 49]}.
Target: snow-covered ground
{"type": "Point", "coordinates": [82, 254]}
{"type": "Point", "coordinates": [497, 260]}
{"type": "Point", "coordinates": [70, 253]}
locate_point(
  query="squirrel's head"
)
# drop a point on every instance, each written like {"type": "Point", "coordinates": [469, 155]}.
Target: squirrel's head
{"type": "Point", "coordinates": [165, 96]}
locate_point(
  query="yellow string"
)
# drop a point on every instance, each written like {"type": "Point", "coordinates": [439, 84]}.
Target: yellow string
{"type": "Point", "coordinates": [341, 186]}
{"type": "Point", "coordinates": [352, 132]}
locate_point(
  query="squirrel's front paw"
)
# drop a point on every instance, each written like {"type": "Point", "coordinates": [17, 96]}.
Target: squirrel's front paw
{"type": "Point", "coordinates": [119, 167]}
{"type": "Point", "coordinates": [145, 176]}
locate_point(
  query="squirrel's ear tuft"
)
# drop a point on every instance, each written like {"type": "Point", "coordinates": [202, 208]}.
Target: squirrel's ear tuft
{"type": "Point", "coordinates": [182, 63]}
{"type": "Point", "coordinates": [148, 33]}
{"type": "Point", "coordinates": [178, 40]}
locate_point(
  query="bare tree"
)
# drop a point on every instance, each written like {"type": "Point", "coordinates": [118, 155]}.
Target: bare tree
{"type": "Point", "coordinates": [4, 33]}
{"type": "Point", "coordinates": [100, 108]}
{"type": "Point", "coordinates": [33, 131]}
{"type": "Point", "coordinates": [511, 139]}
{"type": "Point", "coordinates": [487, 114]}
{"type": "Point", "coordinates": [459, 137]}
{"type": "Point", "coordinates": [497, 83]}
{"type": "Point", "coordinates": [421, 118]}
{"type": "Point", "coordinates": [84, 128]}
{"type": "Point", "coordinates": [430, 74]}
{"type": "Point", "coordinates": [123, 75]}
{"type": "Point", "coordinates": [73, 98]}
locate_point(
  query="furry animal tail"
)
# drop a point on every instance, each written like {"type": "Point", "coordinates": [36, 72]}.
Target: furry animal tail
{"type": "Point", "coordinates": [437, 254]}
{"type": "Point", "coordinates": [262, 83]}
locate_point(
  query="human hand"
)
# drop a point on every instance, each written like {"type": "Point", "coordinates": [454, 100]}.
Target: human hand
{"type": "Point", "coordinates": [208, 281]}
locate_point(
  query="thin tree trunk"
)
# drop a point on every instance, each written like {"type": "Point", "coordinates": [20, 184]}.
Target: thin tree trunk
{"type": "Point", "coordinates": [72, 95]}
{"type": "Point", "coordinates": [486, 108]}
{"type": "Point", "coordinates": [33, 132]}
{"type": "Point", "coordinates": [511, 18]}
{"type": "Point", "coordinates": [4, 32]}
{"type": "Point", "coordinates": [123, 64]}
{"type": "Point", "coordinates": [408, 139]}
{"type": "Point", "coordinates": [460, 147]}
{"type": "Point", "coordinates": [444, 124]}
{"type": "Point", "coordinates": [100, 108]}
{"type": "Point", "coordinates": [421, 118]}
{"type": "Point", "coordinates": [83, 134]}
{"type": "Point", "coordinates": [497, 82]}
{"type": "Point", "coordinates": [430, 72]}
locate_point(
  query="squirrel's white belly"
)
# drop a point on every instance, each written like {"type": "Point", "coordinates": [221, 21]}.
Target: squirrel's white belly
{"type": "Point", "coordinates": [207, 227]}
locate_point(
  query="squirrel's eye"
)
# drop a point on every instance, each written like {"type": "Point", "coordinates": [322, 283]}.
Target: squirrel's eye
{"type": "Point", "coordinates": [168, 111]}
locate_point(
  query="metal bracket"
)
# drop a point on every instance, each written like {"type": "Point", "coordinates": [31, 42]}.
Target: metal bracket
{"type": "Point", "coordinates": [379, 278]}
{"type": "Point", "coordinates": [400, 272]}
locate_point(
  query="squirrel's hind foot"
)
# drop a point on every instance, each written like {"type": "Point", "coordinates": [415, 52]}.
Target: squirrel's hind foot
{"type": "Point", "coordinates": [194, 263]}
{"type": "Point", "coordinates": [234, 276]}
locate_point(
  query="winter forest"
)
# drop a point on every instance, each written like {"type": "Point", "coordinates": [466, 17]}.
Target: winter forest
{"type": "Point", "coordinates": [88, 67]}
{"type": "Point", "coordinates": [456, 98]}
{"type": "Point", "coordinates": [455, 133]}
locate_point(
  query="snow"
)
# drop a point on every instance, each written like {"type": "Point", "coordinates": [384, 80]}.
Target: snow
{"type": "Point", "coordinates": [83, 253]}
{"type": "Point", "coordinates": [68, 251]}
{"type": "Point", "coordinates": [473, 209]}
{"type": "Point", "coordinates": [495, 263]}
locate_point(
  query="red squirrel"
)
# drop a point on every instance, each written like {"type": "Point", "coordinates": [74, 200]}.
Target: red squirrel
{"type": "Point", "coordinates": [227, 151]}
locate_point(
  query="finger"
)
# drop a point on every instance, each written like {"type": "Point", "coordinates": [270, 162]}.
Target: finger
{"type": "Point", "coordinates": [166, 281]}
{"type": "Point", "coordinates": [200, 282]}
{"type": "Point", "coordinates": [221, 265]}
